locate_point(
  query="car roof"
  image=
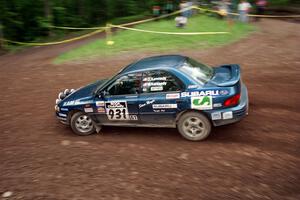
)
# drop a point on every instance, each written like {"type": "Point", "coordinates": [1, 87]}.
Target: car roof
{"type": "Point", "coordinates": [165, 61]}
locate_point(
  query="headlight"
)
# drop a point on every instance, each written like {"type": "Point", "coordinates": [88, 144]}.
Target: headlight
{"type": "Point", "coordinates": [56, 107]}
{"type": "Point", "coordinates": [66, 92]}
{"type": "Point", "coordinates": [61, 95]}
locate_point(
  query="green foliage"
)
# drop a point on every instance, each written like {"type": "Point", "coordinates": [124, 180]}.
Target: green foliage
{"type": "Point", "coordinates": [131, 41]}
{"type": "Point", "coordinates": [26, 20]}
{"type": "Point", "coordinates": [123, 20]}
{"type": "Point", "coordinates": [279, 2]}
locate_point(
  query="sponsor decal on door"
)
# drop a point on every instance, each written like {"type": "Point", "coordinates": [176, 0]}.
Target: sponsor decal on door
{"type": "Point", "coordinates": [164, 106]}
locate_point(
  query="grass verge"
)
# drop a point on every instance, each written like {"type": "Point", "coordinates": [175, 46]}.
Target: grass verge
{"type": "Point", "coordinates": [126, 41]}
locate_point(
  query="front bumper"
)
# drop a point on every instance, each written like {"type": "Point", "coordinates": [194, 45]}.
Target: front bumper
{"type": "Point", "coordinates": [238, 112]}
{"type": "Point", "coordinates": [62, 117]}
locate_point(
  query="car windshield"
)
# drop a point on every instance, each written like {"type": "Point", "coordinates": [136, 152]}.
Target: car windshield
{"type": "Point", "coordinates": [198, 71]}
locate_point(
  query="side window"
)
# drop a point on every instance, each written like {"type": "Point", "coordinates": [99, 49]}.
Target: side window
{"type": "Point", "coordinates": [160, 81]}
{"type": "Point", "coordinates": [127, 84]}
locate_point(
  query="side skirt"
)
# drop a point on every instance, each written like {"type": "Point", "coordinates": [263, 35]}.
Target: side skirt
{"type": "Point", "coordinates": [138, 125]}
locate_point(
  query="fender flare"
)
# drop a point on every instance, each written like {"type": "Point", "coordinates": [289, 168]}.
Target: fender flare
{"type": "Point", "coordinates": [191, 110]}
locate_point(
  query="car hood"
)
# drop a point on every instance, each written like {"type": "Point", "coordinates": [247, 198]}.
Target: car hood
{"type": "Point", "coordinates": [84, 93]}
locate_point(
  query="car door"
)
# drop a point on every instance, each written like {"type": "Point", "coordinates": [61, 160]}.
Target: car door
{"type": "Point", "coordinates": [119, 104]}
{"type": "Point", "coordinates": [160, 98]}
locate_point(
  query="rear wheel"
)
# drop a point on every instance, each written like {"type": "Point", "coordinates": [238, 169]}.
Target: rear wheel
{"type": "Point", "coordinates": [82, 124]}
{"type": "Point", "coordinates": [194, 126]}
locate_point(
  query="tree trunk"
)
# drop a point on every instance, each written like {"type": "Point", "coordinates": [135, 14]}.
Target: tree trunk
{"type": "Point", "coordinates": [81, 9]}
{"type": "Point", "coordinates": [1, 37]}
{"type": "Point", "coordinates": [48, 13]}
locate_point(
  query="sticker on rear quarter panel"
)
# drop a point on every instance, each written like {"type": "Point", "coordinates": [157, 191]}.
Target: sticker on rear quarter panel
{"type": "Point", "coordinates": [216, 116]}
{"type": "Point", "coordinates": [227, 115]}
{"type": "Point", "coordinates": [202, 103]}
{"type": "Point", "coordinates": [200, 93]}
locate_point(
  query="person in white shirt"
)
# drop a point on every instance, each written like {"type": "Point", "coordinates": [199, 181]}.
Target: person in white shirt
{"type": "Point", "coordinates": [181, 21]}
{"type": "Point", "coordinates": [244, 8]}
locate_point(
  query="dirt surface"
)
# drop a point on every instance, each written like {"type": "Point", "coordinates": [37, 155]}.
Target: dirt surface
{"type": "Point", "coordinates": [258, 158]}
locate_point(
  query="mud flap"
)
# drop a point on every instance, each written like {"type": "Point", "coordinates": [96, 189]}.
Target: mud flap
{"type": "Point", "coordinates": [98, 128]}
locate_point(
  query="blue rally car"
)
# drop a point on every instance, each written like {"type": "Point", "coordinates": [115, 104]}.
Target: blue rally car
{"type": "Point", "coordinates": [161, 91]}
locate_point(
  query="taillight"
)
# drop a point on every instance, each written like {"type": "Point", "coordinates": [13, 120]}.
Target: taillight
{"type": "Point", "coordinates": [232, 101]}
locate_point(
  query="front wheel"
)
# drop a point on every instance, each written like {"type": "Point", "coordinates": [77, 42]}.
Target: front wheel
{"type": "Point", "coordinates": [194, 126]}
{"type": "Point", "coordinates": [82, 124]}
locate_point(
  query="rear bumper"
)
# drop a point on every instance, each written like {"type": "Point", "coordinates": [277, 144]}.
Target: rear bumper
{"type": "Point", "coordinates": [238, 112]}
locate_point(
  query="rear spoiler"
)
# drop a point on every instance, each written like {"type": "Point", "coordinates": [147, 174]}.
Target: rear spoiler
{"type": "Point", "coordinates": [235, 75]}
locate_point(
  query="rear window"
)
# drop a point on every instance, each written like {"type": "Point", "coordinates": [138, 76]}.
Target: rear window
{"type": "Point", "coordinates": [200, 72]}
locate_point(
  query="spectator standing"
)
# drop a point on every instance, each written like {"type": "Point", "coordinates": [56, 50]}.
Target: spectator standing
{"type": "Point", "coordinates": [244, 8]}
{"type": "Point", "coordinates": [225, 11]}
{"type": "Point", "coordinates": [190, 11]}
{"type": "Point", "coordinates": [156, 10]}
{"type": "Point", "coordinates": [260, 7]}
{"type": "Point", "coordinates": [169, 7]}
{"type": "Point", "coordinates": [184, 5]}
{"type": "Point", "coordinates": [223, 8]}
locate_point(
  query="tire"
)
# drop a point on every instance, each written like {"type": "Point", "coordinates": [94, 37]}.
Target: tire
{"type": "Point", "coordinates": [194, 126]}
{"type": "Point", "coordinates": [82, 124]}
